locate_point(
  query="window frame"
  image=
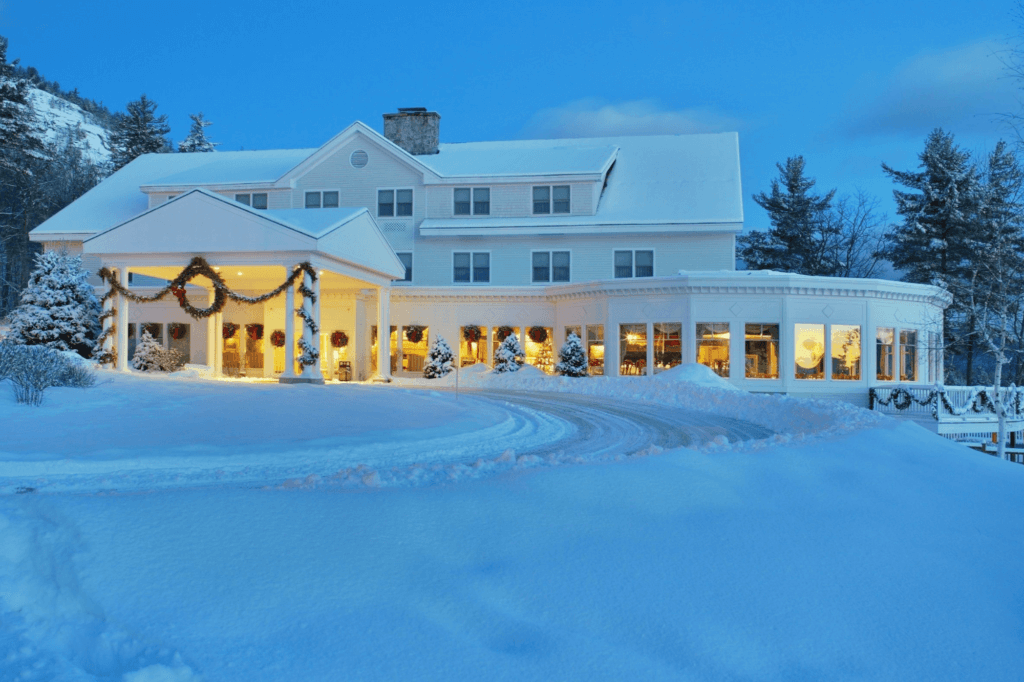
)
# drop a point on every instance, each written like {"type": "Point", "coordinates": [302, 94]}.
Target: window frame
{"type": "Point", "coordinates": [408, 269]}
{"type": "Point", "coordinates": [472, 200]}
{"type": "Point", "coordinates": [551, 266]}
{"type": "Point", "coordinates": [632, 265]}
{"type": "Point", "coordinates": [320, 194]}
{"type": "Point", "coordinates": [394, 215]}
{"type": "Point", "coordinates": [472, 272]}
{"type": "Point", "coordinates": [551, 200]}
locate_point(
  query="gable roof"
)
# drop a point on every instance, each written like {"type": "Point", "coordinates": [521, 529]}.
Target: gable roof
{"type": "Point", "coordinates": [201, 220]}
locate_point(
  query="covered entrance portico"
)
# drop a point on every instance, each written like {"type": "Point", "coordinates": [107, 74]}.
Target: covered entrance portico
{"type": "Point", "coordinates": [335, 262]}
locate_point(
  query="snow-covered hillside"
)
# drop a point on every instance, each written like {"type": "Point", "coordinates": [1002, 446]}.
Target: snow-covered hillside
{"type": "Point", "coordinates": [55, 115]}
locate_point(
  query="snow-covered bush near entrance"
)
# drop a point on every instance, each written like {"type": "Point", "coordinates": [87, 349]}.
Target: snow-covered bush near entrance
{"type": "Point", "coordinates": [150, 356]}
{"type": "Point", "coordinates": [58, 306]}
{"type": "Point", "coordinates": [510, 356]}
{"type": "Point", "coordinates": [439, 360]}
{"type": "Point", "coordinates": [33, 369]}
{"type": "Point", "coordinates": [571, 361]}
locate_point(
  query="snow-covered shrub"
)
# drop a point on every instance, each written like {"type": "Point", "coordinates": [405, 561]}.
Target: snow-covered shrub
{"type": "Point", "coordinates": [510, 356]}
{"type": "Point", "coordinates": [571, 361]}
{"type": "Point", "coordinates": [33, 369]}
{"type": "Point", "coordinates": [150, 356]}
{"type": "Point", "coordinates": [58, 308]}
{"type": "Point", "coordinates": [439, 360]}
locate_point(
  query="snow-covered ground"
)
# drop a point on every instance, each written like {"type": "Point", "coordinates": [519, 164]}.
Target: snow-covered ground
{"type": "Point", "coordinates": [792, 540]}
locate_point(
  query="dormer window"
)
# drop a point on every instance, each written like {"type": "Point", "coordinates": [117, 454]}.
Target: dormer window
{"type": "Point", "coordinates": [394, 203]}
{"type": "Point", "coordinates": [550, 199]}
{"type": "Point", "coordinates": [256, 200]}
{"type": "Point", "coordinates": [475, 201]}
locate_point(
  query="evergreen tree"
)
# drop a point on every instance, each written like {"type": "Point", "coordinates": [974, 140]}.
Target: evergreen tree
{"type": "Point", "coordinates": [510, 356]}
{"type": "Point", "coordinates": [572, 362]}
{"type": "Point", "coordinates": [800, 239]}
{"type": "Point", "coordinates": [439, 360]}
{"type": "Point", "coordinates": [196, 140]}
{"type": "Point", "coordinates": [137, 132]}
{"type": "Point", "coordinates": [18, 136]}
{"type": "Point", "coordinates": [933, 244]}
{"type": "Point", "coordinates": [149, 354]}
{"type": "Point", "coordinates": [58, 307]}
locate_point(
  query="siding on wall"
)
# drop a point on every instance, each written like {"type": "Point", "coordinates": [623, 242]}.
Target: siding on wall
{"type": "Point", "coordinates": [508, 200]}
{"type": "Point", "coordinates": [591, 259]}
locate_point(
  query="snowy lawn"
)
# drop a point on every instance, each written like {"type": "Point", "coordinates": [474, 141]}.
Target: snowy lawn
{"type": "Point", "coordinates": [877, 551]}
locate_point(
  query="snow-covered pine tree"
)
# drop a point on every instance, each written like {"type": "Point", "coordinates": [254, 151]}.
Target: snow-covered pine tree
{"type": "Point", "coordinates": [18, 136]}
{"type": "Point", "coordinates": [196, 140]}
{"type": "Point", "coordinates": [439, 360]}
{"type": "Point", "coordinates": [59, 308]}
{"type": "Point", "coordinates": [800, 238]}
{"type": "Point", "coordinates": [510, 355]}
{"type": "Point", "coordinates": [137, 132]}
{"type": "Point", "coordinates": [571, 361]}
{"type": "Point", "coordinates": [149, 354]}
{"type": "Point", "coordinates": [933, 243]}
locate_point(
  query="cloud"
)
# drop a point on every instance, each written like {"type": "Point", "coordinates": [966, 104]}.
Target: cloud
{"type": "Point", "coordinates": [596, 118]}
{"type": "Point", "coordinates": [963, 89]}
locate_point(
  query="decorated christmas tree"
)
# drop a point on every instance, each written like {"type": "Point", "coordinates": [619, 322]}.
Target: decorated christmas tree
{"type": "Point", "coordinates": [510, 356]}
{"type": "Point", "coordinates": [572, 362]}
{"type": "Point", "coordinates": [439, 360]}
{"type": "Point", "coordinates": [58, 307]}
{"type": "Point", "coordinates": [149, 354]}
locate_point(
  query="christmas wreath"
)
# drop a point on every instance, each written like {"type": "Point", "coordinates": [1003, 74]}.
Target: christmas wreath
{"type": "Point", "coordinates": [339, 339]}
{"type": "Point", "coordinates": [177, 330]}
{"type": "Point", "coordinates": [153, 328]}
{"type": "Point", "coordinates": [277, 339]}
{"type": "Point", "coordinates": [414, 334]}
{"type": "Point", "coordinates": [230, 328]}
{"type": "Point", "coordinates": [471, 334]}
{"type": "Point", "coordinates": [504, 333]}
{"type": "Point", "coordinates": [254, 331]}
{"type": "Point", "coordinates": [538, 334]}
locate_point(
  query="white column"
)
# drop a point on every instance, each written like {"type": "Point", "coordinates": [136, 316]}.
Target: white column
{"type": "Point", "coordinates": [218, 349]}
{"type": "Point", "coordinates": [611, 345]}
{"type": "Point", "coordinates": [650, 349]}
{"type": "Point", "coordinates": [384, 332]}
{"type": "Point", "coordinates": [319, 335]}
{"type": "Point", "coordinates": [122, 322]}
{"type": "Point", "coordinates": [108, 322]}
{"type": "Point", "coordinates": [289, 331]}
{"type": "Point", "coordinates": [312, 340]}
{"type": "Point", "coordinates": [211, 339]}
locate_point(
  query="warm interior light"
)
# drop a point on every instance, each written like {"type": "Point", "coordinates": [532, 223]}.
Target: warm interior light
{"type": "Point", "coordinates": [217, 268]}
{"type": "Point", "coordinates": [239, 274]}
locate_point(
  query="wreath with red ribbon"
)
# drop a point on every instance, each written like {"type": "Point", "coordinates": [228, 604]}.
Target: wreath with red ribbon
{"type": "Point", "coordinates": [538, 334]}
{"type": "Point", "coordinates": [277, 339]}
{"type": "Point", "coordinates": [179, 293]}
{"type": "Point", "coordinates": [339, 339]}
{"type": "Point", "coordinates": [152, 328]}
{"type": "Point", "coordinates": [229, 330]}
{"type": "Point", "coordinates": [177, 330]}
{"type": "Point", "coordinates": [254, 331]}
{"type": "Point", "coordinates": [414, 334]}
{"type": "Point", "coordinates": [471, 334]}
{"type": "Point", "coordinates": [504, 333]}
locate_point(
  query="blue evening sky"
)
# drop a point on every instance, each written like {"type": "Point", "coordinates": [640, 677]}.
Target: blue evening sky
{"type": "Point", "coordinates": [848, 85]}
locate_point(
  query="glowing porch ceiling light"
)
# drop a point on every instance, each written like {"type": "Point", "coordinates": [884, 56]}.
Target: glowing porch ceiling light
{"type": "Point", "coordinates": [239, 274]}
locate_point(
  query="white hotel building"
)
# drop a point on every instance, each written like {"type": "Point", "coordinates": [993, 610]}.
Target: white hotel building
{"type": "Point", "coordinates": [629, 242]}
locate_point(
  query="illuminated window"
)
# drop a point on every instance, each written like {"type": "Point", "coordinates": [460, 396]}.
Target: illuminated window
{"type": "Point", "coordinates": [908, 355]}
{"type": "Point", "coordinates": [595, 348]}
{"type": "Point", "coordinates": [632, 348]}
{"type": "Point", "coordinates": [668, 348]}
{"type": "Point", "coordinates": [885, 339]}
{"type": "Point", "coordinates": [809, 351]}
{"type": "Point", "coordinates": [845, 352]}
{"type": "Point", "coordinates": [713, 346]}
{"type": "Point", "coordinates": [761, 351]}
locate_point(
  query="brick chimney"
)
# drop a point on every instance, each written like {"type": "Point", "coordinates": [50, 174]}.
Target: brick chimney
{"type": "Point", "coordinates": [414, 129]}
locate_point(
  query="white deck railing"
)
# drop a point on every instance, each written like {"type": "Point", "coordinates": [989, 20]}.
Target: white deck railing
{"type": "Point", "coordinates": [961, 411]}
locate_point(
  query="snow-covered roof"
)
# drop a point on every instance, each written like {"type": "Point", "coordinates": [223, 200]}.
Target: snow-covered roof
{"type": "Point", "coordinates": [520, 158]}
{"type": "Point", "coordinates": [119, 197]}
{"type": "Point", "coordinates": [658, 179]}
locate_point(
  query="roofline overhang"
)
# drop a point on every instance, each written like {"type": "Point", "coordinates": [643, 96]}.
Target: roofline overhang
{"type": "Point", "coordinates": [59, 236]}
{"type": "Point", "coordinates": [632, 227]}
{"type": "Point", "coordinates": [266, 185]}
